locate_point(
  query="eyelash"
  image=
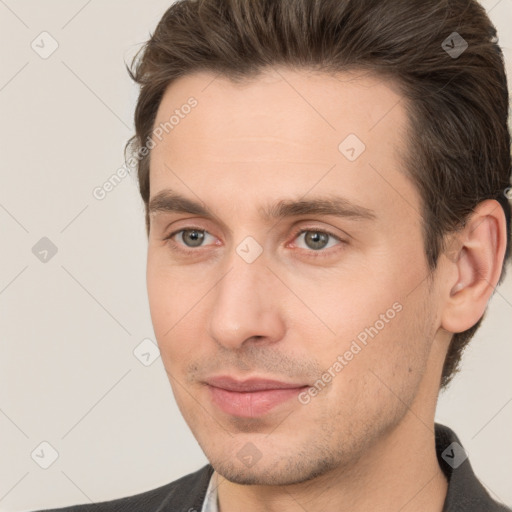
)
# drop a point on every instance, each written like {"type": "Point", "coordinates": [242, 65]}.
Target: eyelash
{"type": "Point", "coordinates": [313, 254]}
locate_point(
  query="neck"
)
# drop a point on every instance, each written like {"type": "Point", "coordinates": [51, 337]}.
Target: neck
{"type": "Point", "coordinates": [400, 472]}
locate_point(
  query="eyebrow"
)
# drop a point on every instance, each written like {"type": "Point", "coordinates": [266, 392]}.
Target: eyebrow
{"type": "Point", "coordinates": [169, 201]}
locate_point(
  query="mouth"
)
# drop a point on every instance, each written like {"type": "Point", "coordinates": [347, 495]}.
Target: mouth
{"type": "Point", "coordinates": [250, 398]}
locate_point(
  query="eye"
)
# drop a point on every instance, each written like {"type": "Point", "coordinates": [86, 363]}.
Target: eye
{"type": "Point", "coordinates": [190, 237]}
{"type": "Point", "coordinates": [313, 241]}
{"type": "Point", "coordinates": [316, 240]}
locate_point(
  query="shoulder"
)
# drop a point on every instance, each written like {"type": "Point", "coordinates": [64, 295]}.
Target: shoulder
{"type": "Point", "coordinates": [183, 495]}
{"type": "Point", "coordinates": [465, 491]}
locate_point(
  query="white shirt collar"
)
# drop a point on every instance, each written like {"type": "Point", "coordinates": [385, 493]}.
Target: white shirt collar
{"type": "Point", "coordinates": [211, 500]}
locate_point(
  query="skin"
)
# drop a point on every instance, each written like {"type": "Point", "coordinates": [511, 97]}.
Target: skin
{"type": "Point", "coordinates": [366, 440]}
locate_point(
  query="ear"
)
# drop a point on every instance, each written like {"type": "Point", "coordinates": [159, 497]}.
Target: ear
{"type": "Point", "coordinates": [475, 266]}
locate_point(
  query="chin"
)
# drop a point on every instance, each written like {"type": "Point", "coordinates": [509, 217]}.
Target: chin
{"type": "Point", "coordinates": [282, 472]}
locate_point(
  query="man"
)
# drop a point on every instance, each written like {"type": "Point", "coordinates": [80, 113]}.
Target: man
{"type": "Point", "coordinates": [325, 184]}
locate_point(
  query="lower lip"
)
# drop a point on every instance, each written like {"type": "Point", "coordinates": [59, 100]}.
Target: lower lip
{"type": "Point", "coordinates": [251, 404]}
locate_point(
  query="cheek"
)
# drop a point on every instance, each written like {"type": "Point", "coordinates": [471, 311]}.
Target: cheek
{"type": "Point", "coordinates": [171, 304]}
{"type": "Point", "coordinates": [170, 292]}
{"type": "Point", "coordinates": [396, 358]}
{"type": "Point", "coordinates": [352, 296]}
{"type": "Point", "coordinates": [347, 307]}
{"type": "Point", "coordinates": [380, 333]}
{"type": "Point", "coordinates": [161, 298]}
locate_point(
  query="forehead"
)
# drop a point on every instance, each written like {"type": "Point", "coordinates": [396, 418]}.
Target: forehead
{"type": "Point", "coordinates": [282, 128]}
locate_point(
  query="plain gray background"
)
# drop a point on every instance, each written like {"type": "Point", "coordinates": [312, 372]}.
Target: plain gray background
{"type": "Point", "coordinates": [69, 326]}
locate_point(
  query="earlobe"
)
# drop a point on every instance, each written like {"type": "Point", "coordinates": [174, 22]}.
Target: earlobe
{"type": "Point", "coordinates": [476, 267]}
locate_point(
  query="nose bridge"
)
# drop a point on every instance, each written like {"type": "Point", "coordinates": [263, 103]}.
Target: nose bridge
{"type": "Point", "coordinates": [243, 305]}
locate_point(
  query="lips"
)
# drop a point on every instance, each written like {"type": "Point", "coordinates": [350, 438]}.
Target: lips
{"type": "Point", "coordinates": [250, 398]}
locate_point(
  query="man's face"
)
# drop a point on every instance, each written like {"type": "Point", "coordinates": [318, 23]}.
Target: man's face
{"type": "Point", "coordinates": [293, 342]}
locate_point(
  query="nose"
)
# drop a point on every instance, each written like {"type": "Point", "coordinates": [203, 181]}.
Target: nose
{"type": "Point", "coordinates": [246, 306]}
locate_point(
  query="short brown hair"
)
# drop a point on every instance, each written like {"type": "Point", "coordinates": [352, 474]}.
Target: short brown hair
{"type": "Point", "coordinates": [459, 146]}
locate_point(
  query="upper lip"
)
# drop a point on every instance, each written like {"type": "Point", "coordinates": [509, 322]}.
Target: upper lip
{"type": "Point", "coordinates": [254, 384]}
